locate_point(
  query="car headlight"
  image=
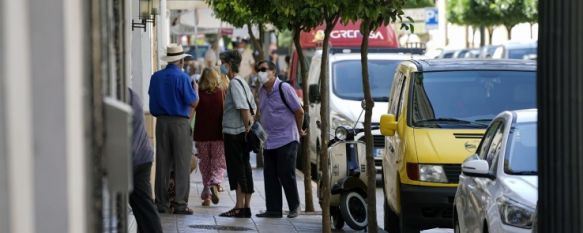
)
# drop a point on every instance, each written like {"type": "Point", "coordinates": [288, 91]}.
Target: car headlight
{"type": "Point", "coordinates": [515, 214]}
{"type": "Point", "coordinates": [341, 133]}
{"type": "Point", "coordinates": [432, 173]}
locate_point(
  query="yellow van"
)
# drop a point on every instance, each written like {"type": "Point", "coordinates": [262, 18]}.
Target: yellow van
{"type": "Point", "coordinates": [438, 112]}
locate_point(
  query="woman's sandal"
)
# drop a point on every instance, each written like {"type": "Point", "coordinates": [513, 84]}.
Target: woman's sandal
{"type": "Point", "coordinates": [234, 213]}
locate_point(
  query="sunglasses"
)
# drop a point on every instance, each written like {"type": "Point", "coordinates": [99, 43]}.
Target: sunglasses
{"type": "Point", "coordinates": [263, 69]}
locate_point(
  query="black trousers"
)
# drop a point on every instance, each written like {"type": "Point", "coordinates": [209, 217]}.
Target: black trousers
{"type": "Point", "coordinates": [280, 171]}
{"type": "Point", "coordinates": [238, 164]}
{"type": "Point", "coordinates": [141, 201]}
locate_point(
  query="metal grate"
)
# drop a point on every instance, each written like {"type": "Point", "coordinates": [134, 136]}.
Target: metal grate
{"type": "Point", "coordinates": [378, 140]}
{"type": "Point", "coordinates": [221, 228]}
{"type": "Point", "coordinates": [452, 171]}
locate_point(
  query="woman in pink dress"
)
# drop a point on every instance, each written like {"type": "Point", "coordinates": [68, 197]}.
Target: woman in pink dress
{"type": "Point", "coordinates": [208, 134]}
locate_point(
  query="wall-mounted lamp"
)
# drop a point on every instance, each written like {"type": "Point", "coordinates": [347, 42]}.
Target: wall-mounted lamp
{"type": "Point", "coordinates": [148, 11]}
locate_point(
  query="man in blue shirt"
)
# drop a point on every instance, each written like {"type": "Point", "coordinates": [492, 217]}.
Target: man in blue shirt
{"type": "Point", "coordinates": [172, 100]}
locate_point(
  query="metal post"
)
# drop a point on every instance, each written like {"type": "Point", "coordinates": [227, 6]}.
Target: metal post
{"type": "Point", "coordinates": [560, 102]}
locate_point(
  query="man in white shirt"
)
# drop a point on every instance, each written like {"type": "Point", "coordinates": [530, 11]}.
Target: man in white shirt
{"type": "Point", "coordinates": [247, 61]}
{"type": "Point", "coordinates": [211, 58]}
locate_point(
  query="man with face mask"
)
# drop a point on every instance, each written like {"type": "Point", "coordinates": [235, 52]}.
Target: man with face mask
{"type": "Point", "coordinates": [282, 118]}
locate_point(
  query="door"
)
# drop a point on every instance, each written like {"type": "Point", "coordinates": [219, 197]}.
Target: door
{"type": "Point", "coordinates": [392, 144]}
{"type": "Point", "coordinates": [472, 188]}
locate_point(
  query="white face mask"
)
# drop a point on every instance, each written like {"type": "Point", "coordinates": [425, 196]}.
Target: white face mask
{"type": "Point", "coordinates": [263, 77]}
{"type": "Point", "coordinates": [241, 50]}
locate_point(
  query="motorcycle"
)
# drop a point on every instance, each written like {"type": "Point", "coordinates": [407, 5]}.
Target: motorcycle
{"type": "Point", "coordinates": [348, 179]}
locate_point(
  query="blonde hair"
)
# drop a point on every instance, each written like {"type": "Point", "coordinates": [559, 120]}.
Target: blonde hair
{"type": "Point", "coordinates": [209, 80]}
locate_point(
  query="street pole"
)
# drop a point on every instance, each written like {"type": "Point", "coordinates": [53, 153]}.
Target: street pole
{"type": "Point", "coordinates": [560, 102]}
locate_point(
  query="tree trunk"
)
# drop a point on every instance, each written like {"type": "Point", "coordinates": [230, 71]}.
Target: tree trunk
{"type": "Point", "coordinates": [482, 35]}
{"type": "Point", "coordinates": [490, 34]}
{"type": "Point", "coordinates": [509, 31]}
{"type": "Point", "coordinates": [467, 36]}
{"type": "Point", "coordinates": [531, 34]}
{"type": "Point", "coordinates": [256, 42]}
{"type": "Point", "coordinates": [257, 45]}
{"type": "Point", "coordinates": [325, 127]}
{"type": "Point", "coordinates": [307, 169]}
{"type": "Point", "coordinates": [370, 166]}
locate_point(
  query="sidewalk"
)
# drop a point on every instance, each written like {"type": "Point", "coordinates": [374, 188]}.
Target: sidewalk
{"type": "Point", "coordinates": [205, 219]}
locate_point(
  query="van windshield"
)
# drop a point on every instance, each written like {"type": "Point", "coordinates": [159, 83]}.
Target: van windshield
{"type": "Point", "coordinates": [469, 99]}
{"type": "Point", "coordinates": [347, 79]}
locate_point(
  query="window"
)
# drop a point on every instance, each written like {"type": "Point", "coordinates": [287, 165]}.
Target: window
{"type": "Point", "coordinates": [496, 145]}
{"type": "Point", "coordinates": [347, 79]}
{"type": "Point", "coordinates": [395, 93]}
{"type": "Point", "coordinates": [485, 144]}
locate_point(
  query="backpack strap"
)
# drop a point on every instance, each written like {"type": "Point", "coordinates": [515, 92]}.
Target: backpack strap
{"type": "Point", "coordinates": [246, 97]}
{"type": "Point", "coordinates": [283, 97]}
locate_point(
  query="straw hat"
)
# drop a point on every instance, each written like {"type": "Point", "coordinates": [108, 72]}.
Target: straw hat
{"type": "Point", "coordinates": [174, 53]}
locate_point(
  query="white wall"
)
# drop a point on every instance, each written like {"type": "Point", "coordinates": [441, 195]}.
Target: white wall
{"type": "Point", "coordinates": [43, 136]}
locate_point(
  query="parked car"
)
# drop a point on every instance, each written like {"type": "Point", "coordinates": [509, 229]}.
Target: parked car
{"type": "Point", "coordinates": [488, 51]}
{"type": "Point", "coordinates": [437, 114]}
{"type": "Point", "coordinates": [498, 188]}
{"type": "Point", "coordinates": [446, 54]}
{"type": "Point", "coordinates": [345, 94]}
{"type": "Point", "coordinates": [516, 50]}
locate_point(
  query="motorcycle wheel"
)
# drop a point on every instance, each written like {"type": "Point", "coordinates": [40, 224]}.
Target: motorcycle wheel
{"type": "Point", "coordinates": [353, 208]}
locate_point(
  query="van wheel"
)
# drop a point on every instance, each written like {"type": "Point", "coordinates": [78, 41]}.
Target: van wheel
{"type": "Point", "coordinates": [353, 209]}
{"type": "Point", "coordinates": [391, 220]}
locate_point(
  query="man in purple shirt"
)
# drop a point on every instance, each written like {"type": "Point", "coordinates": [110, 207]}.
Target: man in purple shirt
{"type": "Point", "coordinates": [282, 118]}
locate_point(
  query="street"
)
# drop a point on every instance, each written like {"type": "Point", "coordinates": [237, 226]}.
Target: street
{"type": "Point", "coordinates": [205, 219]}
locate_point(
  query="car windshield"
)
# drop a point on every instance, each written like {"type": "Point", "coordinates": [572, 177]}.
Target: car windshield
{"type": "Point", "coordinates": [347, 79]}
{"type": "Point", "coordinates": [520, 53]}
{"type": "Point", "coordinates": [469, 99]}
{"type": "Point", "coordinates": [521, 157]}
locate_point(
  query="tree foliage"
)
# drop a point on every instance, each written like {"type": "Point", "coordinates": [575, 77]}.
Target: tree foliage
{"type": "Point", "coordinates": [488, 13]}
{"type": "Point", "coordinates": [419, 3]}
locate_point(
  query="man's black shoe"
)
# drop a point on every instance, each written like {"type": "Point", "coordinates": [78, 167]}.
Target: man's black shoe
{"type": "Point", "coordinates": [293, 213]}
{"type": "Point", "coordinates": [269, 214]}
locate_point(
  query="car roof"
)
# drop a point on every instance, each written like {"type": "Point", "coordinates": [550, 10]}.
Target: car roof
{"type": "Point", "coordinates": [526, 115]}
{"type": "Point", "coordinates": [473, 64]}
{"type": "Point", "coordinates": [374, 56]}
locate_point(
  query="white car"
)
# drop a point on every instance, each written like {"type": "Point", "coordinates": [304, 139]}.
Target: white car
{"type": "Point", "coordinates": [498, 188]}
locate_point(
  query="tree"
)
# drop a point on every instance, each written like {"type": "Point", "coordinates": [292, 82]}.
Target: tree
{"type": "Point", "coordinates": [239, 14]}
{"type": "Point", "coordinates": [511, 13]}
{"type": "Point", "coordinates": [372, 14]}
{"type": "Point", "coordinates": [531, 11]}
{"type": "Point", "coordinates": [477, 13]}
{"type": "Point", "coordinates": [298, 16]}
{"type": "Point", "coordinates": [418, 3]}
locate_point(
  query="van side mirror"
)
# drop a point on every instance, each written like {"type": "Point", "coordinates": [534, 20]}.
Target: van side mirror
{"type": "Point", "coordinates": [476, 168]}
{"type": "Point", "coordinates": [314, 90]}
{"type": "Point", "coordinates": [388, 124]}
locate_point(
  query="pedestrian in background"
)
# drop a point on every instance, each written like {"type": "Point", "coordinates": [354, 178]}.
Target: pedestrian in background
{"type": "Point", "coordinates": [210, 57]}
{"type": "Point", "coordinates": [142, 158]}
{"type": "Point", "coordinates": [172, 98]}
{"type": "Point", "coordinates": [247, 60]}
{"type": "Point", "coordinates": [209, 136]}
{"type": "Point", "coordinates": [282, 118]}
{"type": "Point", "coordinates": [237, 121]}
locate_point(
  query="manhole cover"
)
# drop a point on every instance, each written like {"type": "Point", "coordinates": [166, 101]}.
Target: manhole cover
{"type": "Point", "coordinates": [220, 228]}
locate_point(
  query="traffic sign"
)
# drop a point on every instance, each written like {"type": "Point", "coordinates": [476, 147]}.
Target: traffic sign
{"type": "Point", "coordinates": [432, 20]}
